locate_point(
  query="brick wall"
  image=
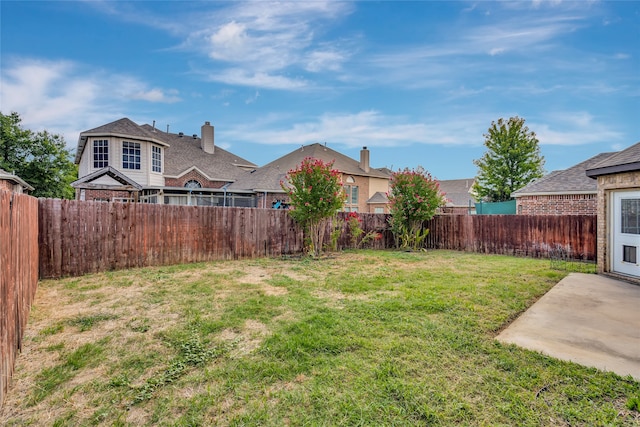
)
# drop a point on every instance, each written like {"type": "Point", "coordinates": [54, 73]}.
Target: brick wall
{"type": "Point", "coordinates": [193, 175]}
{"type": "Point", "coordinates": [607, 184]}
{"type": "Point", "coordinates": [106, 195]}
{"type": "Point", "coordinates": [561, 204]}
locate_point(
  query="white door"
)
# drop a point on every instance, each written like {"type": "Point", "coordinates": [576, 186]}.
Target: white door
{"type": "Point", "coordinates": [626, 232]}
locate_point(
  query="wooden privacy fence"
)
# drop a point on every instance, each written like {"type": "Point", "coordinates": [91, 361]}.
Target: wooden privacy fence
{"type": "Point", "coordinates": [79, 237]}
{"type": "Point", "coordinates": [18, 275]}
{"type": "Point", "coordinates": [525, 235]}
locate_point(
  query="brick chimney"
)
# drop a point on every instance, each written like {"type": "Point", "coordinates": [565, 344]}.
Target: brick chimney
{"type": "Point", "coordinates": [206, 139]}
{"type": "Point", "coordinates": [364, 159]}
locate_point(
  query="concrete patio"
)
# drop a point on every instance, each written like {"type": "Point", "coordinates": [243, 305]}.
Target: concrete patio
{"type": "Point", "coordinates": [587, 319]}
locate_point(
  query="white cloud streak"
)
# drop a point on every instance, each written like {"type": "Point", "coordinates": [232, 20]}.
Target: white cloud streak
{"type": "Point", "coordinates": [265, 43]}
{"type": "Point", "coordinates": [63, 97]}
{"type": "Point", "coordinates": [375, 129]}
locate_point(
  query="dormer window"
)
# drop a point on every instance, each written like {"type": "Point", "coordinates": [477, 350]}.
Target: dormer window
{"type": "Point", "coordinates": [192, 183]}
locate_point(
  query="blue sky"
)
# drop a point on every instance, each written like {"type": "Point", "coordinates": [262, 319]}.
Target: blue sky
{"type": "Point", "coordinates": [417, 82]}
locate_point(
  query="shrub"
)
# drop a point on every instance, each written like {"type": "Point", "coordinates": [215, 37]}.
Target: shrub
{"type": "Point", "coordinates": [414, 197]}
{"type": "Point", "coordinates": [316, 195]}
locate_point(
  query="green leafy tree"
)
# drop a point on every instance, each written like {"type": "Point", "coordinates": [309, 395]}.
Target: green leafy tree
{"type": "Point", "coordinates": [316, 195]}
{"type": "Point", "coordinates": [41, 158]}
{"type": "Point", "coordinates": [512, 160]}
{"type": "Point", "coordinates": [414, 197]}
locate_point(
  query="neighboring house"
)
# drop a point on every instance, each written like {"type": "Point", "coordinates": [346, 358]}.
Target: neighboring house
{"type": "Point", "coordinates": [562, 192]}
{"type": "Point", "coordinates": [124, 161]}
{"type": "Point", "coordinates": [618, 184]}
{"type": "Point", "coordinates": [365, 186]}
{"type": "Point", "coordinates": [459, 196]}
{"type": "Point", "coordinates": [13, 183]}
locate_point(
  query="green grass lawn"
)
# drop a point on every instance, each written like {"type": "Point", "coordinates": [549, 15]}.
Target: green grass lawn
{"type": "Point", "coordinates": [369, 338]}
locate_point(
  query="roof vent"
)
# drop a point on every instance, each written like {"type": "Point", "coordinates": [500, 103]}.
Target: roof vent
{"type": "Point", "coordinates": [195, 136]}
{"type": "Point", "coordinates": [181, 134]}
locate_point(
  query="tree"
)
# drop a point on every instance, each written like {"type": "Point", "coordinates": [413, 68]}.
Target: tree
{"type": "Point", "coordinates": [316, 195]}
{"type": "Point", "coordinates": [41, 159]}
{"type": "Point", "coordinates": [414, 197]}
{"type": "Point", "coordinates": [512, 160]}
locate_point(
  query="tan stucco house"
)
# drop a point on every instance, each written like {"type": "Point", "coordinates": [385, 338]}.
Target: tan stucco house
{"type": "Point", "coordinates": [618, 193]}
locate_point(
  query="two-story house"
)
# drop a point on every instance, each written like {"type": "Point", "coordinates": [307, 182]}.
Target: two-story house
{"type": "Point", "coordinates": [124, 161]}
{"type": "Point", "coordinates": [366, 187]}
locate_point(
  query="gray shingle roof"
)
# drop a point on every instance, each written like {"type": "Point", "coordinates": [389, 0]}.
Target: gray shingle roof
{"type": "Point", "coordinates": [184, 152]}
{"type": "Point", "coordinates": [457, 191]}
{"type": "Point", "coordinates": [181, 152]}
{"type": "Point", "coordinates": [269, 176]}
{"type": "Point", "coordinates": [121, 127]}
{"type": "Point", "coordinates": [568, 181]}
{"type": "Point", "coordinates": [379, 197]}
{"type": "Point", "coordinates": [622, 161]}
{"type": "Point", "coordinates": [108, 171]}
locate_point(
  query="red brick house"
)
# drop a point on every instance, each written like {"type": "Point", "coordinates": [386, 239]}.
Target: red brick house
{"type": "Point", "coordinates": [618, 185]}
{"type": "Point", "coordinates": [562, 192]}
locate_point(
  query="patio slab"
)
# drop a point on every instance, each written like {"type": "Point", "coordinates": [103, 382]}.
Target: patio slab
{"type": "Point", "coordinates": [587, 319]}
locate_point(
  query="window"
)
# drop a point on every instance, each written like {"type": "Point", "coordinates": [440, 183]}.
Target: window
{"type": "Point", "coordinates": [156, 159]}
{"type": "Point", "coordinates": [630, 216]}
{"type": "Point", "coordinates": [378, 210]}
{"type": "Point", "coordinates": [100, 153]}
{"type": "Point", "coordinates": [131, 155]}
{"type": "Point", "coordinates": [192, 183]}
{"type": "Point", "coordinates": [352, 194]}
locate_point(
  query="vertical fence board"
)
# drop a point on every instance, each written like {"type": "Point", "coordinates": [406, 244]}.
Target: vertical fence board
{"type": "Point", "coordinates": [19, 229]}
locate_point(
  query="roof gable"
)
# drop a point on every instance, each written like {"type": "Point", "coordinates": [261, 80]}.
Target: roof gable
{"type": "Point", "coordinates": [269, 176]}
{"type": "Point", "coordinates": [108, 172]}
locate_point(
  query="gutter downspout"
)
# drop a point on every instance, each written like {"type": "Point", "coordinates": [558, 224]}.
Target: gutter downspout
{"type": "Point", "coordinates": [224, 187]}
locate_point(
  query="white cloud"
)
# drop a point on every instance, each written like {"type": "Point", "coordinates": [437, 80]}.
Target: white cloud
{"type": "Point", "coordinates": [252, 98]}
{"type": "Point", "coordinates": [261, 42]}
{"type": "Point", "coordinates": [365, 128]}
{"type": "Point", "coordinates": [573, 128]}
{"type": "Point", "coordinates": [322, 60]}
{"type": "Point", "coordinates": [64, 97]}
{"type": "Point", "coordinates": [156, 95]}
{"type": "Point", "coordinates": [243, 77]}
